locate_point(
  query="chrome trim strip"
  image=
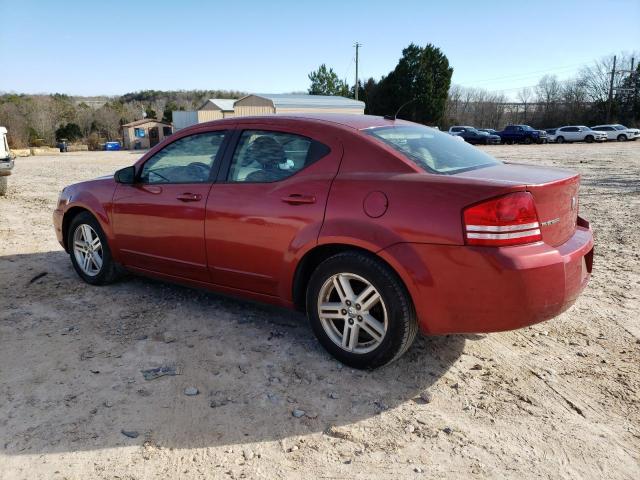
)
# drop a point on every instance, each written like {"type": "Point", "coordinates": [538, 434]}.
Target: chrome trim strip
{"type": "Point", "coordinates": [505, 228]}
{"type": "Point", "coordinates": [503, 236]}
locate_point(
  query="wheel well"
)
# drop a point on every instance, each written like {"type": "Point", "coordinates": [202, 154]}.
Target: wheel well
{"type": "Point", "coordinates": [315, 257]}
{"type": "Point", "coordinates": [66, 221]}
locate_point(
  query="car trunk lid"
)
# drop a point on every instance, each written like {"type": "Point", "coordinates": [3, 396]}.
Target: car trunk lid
{"type": "Point", "coordinates": [555, 192]}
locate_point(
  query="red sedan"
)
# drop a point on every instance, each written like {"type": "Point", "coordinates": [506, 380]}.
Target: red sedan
{"type": "Point", "coordinates": [375, 227]}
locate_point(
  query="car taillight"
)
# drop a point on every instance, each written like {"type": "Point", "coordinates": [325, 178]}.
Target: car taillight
{"type": "Point", "coordinates": [508, 220]}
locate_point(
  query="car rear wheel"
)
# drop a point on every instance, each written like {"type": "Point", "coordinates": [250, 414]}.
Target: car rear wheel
{"type": "Point", "coordinates": [622, 138]}
{"type": "Point", "coordinates": [4, 185]}
{"type": "Point", "coordinates": [560, 140]}
{"type": "Point", "coordinates": [89, 251]}
{"type": "Point", "coordinates": [360, 311]}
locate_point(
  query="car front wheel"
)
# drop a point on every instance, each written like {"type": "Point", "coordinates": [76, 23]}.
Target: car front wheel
{"type": "Point", "coordinates": [589, 139]}
{"type": "Point", "coordinates": [89, 251]}
{"type": "Point", "coordinates": [360, 311]}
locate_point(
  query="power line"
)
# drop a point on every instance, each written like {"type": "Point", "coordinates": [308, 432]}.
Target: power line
{"type": "Point", "coordinates": [527, 74]}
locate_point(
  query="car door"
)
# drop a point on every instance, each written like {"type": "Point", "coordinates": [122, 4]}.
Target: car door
{"type": "Point", "coordinates": [574, 134]}
{"type": "Point", "coordinates": [269, 203]}
{"type": "Point", "coordinates": [610, 131]}
{"type": "Point", "coordinates": [158, 221]}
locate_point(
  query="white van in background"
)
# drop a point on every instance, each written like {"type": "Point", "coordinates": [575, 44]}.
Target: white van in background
{"type": "Point", "coordinates": [6, 160]}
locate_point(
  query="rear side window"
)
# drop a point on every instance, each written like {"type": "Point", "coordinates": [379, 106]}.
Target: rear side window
{"type": "Point", "coordinates": [431, 150]}
{"type": "Point", "coordinates": [266, 156]}
{"type": "Point", "coordinates": [188, 160]}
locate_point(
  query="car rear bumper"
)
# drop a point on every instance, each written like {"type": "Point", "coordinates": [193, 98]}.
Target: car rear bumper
{"type": "Point", "coordinates": [6, 165]}
{"type": "Point", "coordinates": [461, 289]}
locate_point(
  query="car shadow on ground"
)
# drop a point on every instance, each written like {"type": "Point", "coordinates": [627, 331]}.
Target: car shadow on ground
{"type": "Point", "coordinates": [71, 357]}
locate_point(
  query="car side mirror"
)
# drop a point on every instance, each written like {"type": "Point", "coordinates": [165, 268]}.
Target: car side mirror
{"type": "Point", "coordinates": [126, 175]}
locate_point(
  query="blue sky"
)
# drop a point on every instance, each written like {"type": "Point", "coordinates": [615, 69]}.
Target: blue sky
{"type": "Point", "coordinates": [114, 47]}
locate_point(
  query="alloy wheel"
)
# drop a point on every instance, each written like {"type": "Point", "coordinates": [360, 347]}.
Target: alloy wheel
{"type": "Point", "coordinates": [352, 313]}
{"type": "Point", "coordinates": [87, 249]}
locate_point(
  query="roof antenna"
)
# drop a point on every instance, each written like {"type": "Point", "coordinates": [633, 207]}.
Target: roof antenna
{"type": "Point", "coordinates": [393, 117]}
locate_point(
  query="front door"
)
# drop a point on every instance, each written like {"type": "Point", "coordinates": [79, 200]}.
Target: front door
{"type": "Point", "coordinates": [270, 205]}
{"type": "Point", "coordinates": [159, 221]}
{"type": "Point", "coordinates": [154, 137]}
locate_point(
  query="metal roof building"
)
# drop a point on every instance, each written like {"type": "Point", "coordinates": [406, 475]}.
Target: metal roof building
{"type": "Point", "coordinates": [212, 109]}
{"type": "Point", "coordinates": [269, 103]}
{"type": "Point", "coordinates": [266, 104]}
{"type": "Point", "coordinates": [219, 104]}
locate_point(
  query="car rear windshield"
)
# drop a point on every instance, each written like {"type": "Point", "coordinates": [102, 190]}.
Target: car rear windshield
{"type": "Point", "coordinates": [433, 151]}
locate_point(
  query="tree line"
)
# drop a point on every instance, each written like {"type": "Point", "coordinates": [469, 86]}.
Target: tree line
{"type": "Point", "coordinates": [423, 76]}
{"type": "Point", "coordinates": [419, 85]}
{"type": "Point", "coordinates": [34, 120]}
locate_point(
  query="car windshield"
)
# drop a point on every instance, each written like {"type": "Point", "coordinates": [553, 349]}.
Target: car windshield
{"type": "Point", "coordinates": [431, 150]}
{"type": "Point", "coordinates": [619, 127]}
{"type": "Point", "coordinates": [527, 127]}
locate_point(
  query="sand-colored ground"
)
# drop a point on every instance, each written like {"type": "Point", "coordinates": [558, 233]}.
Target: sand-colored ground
{"type": "Point", "coordinates": [558, 400]}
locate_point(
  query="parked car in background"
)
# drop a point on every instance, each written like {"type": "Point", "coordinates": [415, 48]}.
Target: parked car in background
{"type": "Point", "coordinates": [490, 131]}
{"type": "Point", "coordinates": [111, 146]}
{"type": "Point", "coordinates": [551, 134]}
{"type": "Point", "coordinates": [474, 136]}
{"type": "Point", "coordinates": [618, 132]}
{"type": "Point", "coordinates": [522, 134]}
{"type": "Point", "coordinates": [6, 161]}
{"type": "Point", "coordinates": [349, 217]}
{"type": "Point", "coordinates": [579, 133]}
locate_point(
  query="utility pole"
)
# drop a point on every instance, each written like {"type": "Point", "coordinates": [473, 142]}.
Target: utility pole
{"type": "Point", "coordinates": [613, 72]}
{"type": "Point", "coordinates": [357, 45]}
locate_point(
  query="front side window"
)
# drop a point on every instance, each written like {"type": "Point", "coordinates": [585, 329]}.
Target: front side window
{"type": "Point", "coordinates": [266, 156]}
{"type": "Point", "coordinates": [188, 160]}
{"type": "Point", "coordinates": [431, 150]}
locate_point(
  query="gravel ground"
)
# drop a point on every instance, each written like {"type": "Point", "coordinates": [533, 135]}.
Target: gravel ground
{"type": "Point", "coordinates": [256, 397]}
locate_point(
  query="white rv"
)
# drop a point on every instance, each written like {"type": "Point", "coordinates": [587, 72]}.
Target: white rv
{"type": "Point", "coordinates": [6, 160]}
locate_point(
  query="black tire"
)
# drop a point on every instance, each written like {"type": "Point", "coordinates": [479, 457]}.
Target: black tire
{"type": "Point", "coordinates": [509, 142]}
{"type": "Point", "coordinates": [622, 138]}
{"type": "Point", "coordinates": [4, 185]}
{"type": "Point", "coordinates": [109, 271]}
{"type": "Point", "coordinates": [589, 139]}
{"type": "Point", "coordinates": [560, 139]}
{"type": "Point", "coordinates": [527, 141]}
{"type": "Point", "coordinates": [402, 324]}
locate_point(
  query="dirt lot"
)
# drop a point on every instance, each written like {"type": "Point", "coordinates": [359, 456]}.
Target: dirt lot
{"type": "Point", "coordinates": [558, 400]}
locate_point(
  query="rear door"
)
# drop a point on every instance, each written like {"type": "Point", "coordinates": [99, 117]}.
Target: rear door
{"type": "Point", "coordinates": [269, 203]}
{"type": "Point", "coordinates": [159, 220]}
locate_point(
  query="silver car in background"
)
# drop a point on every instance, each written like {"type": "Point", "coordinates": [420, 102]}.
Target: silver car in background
{"type": "Point", "coordinates": [579, 133]}
{"type": "Point", "coordinates": [618, 132]}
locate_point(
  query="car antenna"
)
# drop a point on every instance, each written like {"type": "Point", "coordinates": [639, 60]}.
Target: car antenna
{"type": "Point", "coordinates": [393, 117]}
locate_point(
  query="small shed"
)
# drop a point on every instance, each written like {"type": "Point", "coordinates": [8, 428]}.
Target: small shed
{"type": "Point", "coordinates": [264, 104]}
{"type": "Point", "coordinates": [145, 133]}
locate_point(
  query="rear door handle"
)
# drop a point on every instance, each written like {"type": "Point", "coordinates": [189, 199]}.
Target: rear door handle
{"type": "Point", "coordinates": [189, 197]}
{"type": "Point", "coordinates": [298, 199]}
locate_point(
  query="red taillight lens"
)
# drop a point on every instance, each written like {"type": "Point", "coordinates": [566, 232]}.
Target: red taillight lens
{"type": "Point", "coordinates": [508, 220]}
